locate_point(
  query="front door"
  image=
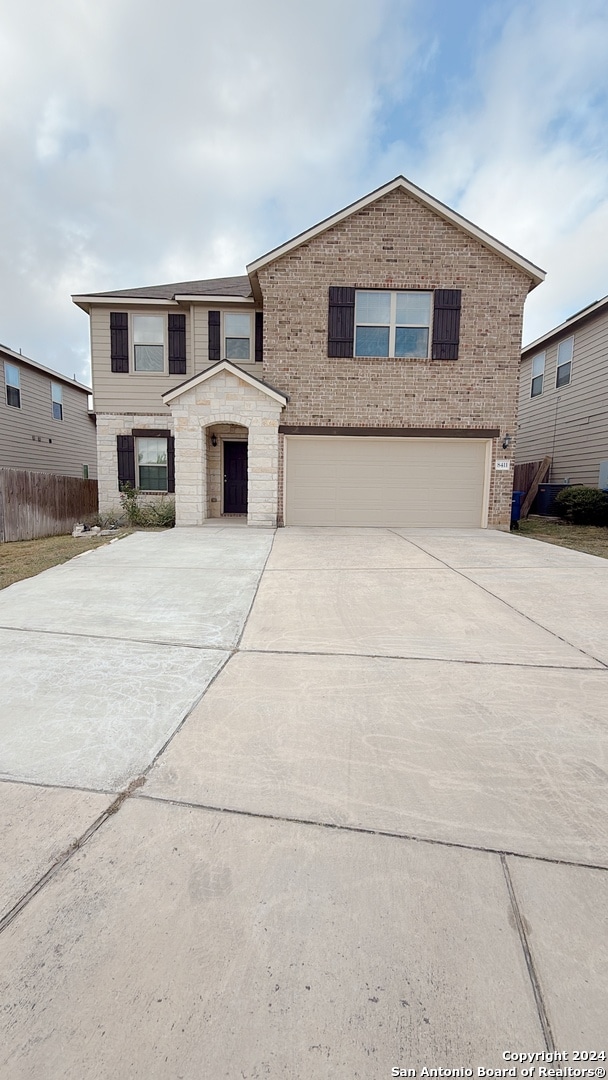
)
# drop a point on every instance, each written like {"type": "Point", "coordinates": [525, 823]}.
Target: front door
{"type": "Point", "coordinates": [235, 477]}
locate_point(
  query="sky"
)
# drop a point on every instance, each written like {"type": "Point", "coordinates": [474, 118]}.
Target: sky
{"type": "Point", "coordinates": [143, 142]}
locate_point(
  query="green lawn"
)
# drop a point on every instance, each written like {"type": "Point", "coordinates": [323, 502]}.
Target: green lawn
{"type": "Point", "coordinates": [590, 538]}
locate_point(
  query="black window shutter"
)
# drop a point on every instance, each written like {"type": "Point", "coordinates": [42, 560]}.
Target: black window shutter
{"type": "Point", "coordinates": [170, 463]}
{"type": "Point", "coordinates": [214, 336]}
{"type": "Point", "coordinates": [259, 337]}
{"type": "Point", "coordinates": [446, 324]}
{"type": "Point", "coordinates": [177, 344]}
{"type": "Point", "coordinates": [119, 341]}
{"type": "Point", "coordinates": [125, 447]}
{"type": "Point", "coordinates": [341, 323]}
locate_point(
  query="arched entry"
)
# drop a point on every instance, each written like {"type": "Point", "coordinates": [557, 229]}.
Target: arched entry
{"type": "Point", "coordinates": [225, 404]}
{"type": "Point", "coordinates": [227, 470]}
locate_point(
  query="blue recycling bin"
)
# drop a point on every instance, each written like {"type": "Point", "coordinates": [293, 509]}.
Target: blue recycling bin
{"type": "Point", "coordinates": [516, 501]}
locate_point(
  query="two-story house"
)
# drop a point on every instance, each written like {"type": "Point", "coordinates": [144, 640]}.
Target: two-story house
{"type": "Point", "coordinates": [363, 373]}
{"type": "Point", "coordinates": [563, 400]}
{"type": "Point", "coordinates": [45, 422]}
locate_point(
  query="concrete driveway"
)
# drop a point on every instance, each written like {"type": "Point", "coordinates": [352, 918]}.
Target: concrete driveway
{"type": "Point", "coordinates": [330, 802]}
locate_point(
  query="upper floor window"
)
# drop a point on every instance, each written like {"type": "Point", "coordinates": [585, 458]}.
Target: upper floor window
{"type": "Point", "coordinates": [13, 385]}
{"type": "Point", "coordinates": [237, 336]}
{"type": "Point", "coordinates": [140, 345]}
{"type": "Point", "coordinates": [564, 362]}
{"type": "Point", "coordinates": [57, 401]}
{"type": "Point", "coordinates": [152, 464]}
{"type": "Point", "coordinates": [538, 374]}
{"type": "Point", "coordinates": [148, 343]}
{"type": "Point", "coordinates": [392, 323]}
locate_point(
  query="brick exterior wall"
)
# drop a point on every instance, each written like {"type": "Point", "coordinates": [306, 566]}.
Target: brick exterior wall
{"type": "Point", "coordinates": [396, 243]}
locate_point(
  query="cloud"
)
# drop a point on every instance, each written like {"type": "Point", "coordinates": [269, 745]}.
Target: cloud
{"type": "Point", "coordinates": [528, 160]}
{"type": "Point", "coordinates": [144, 142]}
{"type": "Point", "coordinates": [149, 142]}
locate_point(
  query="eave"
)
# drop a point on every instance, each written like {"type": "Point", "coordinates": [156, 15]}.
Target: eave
{"type": "Point", "coordinates": [224, 365]}
{"type": "Point", "coordinates": [56, 375]}
{"type": "Point", "coordinates": [567, 327]}
{"type": "Point", "coordinates": [86, 302]}
{"type": "Point", "coordinates": [530, 269]}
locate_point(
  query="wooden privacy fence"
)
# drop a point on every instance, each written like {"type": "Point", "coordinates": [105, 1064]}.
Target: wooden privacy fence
{"type": "Point", "coordinates": [524, 474]}
{"type": "Point", "coordinates": [34, 504]}
{"type": "Point", "coordinates": [528, 477]}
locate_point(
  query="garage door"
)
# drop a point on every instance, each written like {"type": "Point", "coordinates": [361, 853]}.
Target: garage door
{"type": "Point", "coordinates": [391, 481]}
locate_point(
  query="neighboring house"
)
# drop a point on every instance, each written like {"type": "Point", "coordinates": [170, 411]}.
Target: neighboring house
{"type": "Point", "coordinates": [563, 399]}
{"type": "Point", "coordinates": [45, 423]}
{"type": "Point", "coordinates": [364, 373]}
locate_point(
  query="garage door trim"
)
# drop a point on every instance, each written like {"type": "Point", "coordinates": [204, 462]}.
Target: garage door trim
{"type": "Point", "coordinates": [384, 437]}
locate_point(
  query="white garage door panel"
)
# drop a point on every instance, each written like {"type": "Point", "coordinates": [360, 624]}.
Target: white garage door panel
{"type": "Point", "coordinates": [398, 482]}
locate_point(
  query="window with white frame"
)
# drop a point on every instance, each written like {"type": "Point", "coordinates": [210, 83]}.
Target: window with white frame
{"type": "Point", "coordinates": [538, 374]}
{"type": "Point", "coordinates": [237, 336]}
{"type": "Point", "coordinates": [13, 385]}
{"type": "Point", "coordinates": [148, 343]}
{"type": "Point", "coordinates": [57, 401]}
{"type": "Point", "coordinates": [392, 323]}
{"type": "Point", "coordinates": [152, 464]}
{"type": "Point", "coordinates": [564, 362]}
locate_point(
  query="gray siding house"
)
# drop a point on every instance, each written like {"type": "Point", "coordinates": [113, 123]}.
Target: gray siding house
{"type": "Point", "coordinates": [563, 399]}
{"type": "Point", "coordinates": [45, 423]}
{"type": "Point", "coordinates": [363, 373]}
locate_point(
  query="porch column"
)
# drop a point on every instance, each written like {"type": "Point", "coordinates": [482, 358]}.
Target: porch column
{"type": "Point", "coordinates": [263, 467]}
{"type": "Point", "coordinates": [190, 468]}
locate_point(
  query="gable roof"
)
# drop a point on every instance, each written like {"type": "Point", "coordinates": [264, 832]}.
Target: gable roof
{"type": "Point", "coordinates": [225, 365]}
{"type": "Point", "coordinates": [534, 272]}
{"type": "Point", "coordinates": [10, 355]}
{"type": "Point", "coordinates": [598, 307]}
{"type": "Point", "coordinates": [231, 288]}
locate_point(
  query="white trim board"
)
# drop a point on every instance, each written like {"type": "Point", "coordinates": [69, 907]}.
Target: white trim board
{"type": "Point", "coordinates": [224, 365]}
{"type": "Point", "coordinates": [534, 272]}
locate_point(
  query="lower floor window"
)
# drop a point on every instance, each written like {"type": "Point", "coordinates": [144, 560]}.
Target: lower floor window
{"type": "Point", "coordinates": [152, 464]}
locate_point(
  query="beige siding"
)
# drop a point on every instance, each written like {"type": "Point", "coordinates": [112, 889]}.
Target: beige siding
{"type": "Point", "coordinates": [31, 439]}
{"type": "Point", "coordinates": [570, 424]}
{"type": "Point", "coordinates": [142, 393]}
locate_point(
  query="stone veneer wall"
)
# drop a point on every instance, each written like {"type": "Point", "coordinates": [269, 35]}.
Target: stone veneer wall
{"type": "Point", "coordinates": [225, 399]}
{"type": "Point", "coordinates": [397, 243]}
{"type": "Point", "coordinates": [108, 427]}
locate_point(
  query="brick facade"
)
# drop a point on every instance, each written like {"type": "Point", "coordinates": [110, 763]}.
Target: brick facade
{"type": "Point", "coordinates": [398, 243]}
{"type": "Point", "coordinates": [395, 241]}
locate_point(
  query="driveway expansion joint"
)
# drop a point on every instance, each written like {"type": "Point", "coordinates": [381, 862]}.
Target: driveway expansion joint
{"type": "Point", "coordinates": [520, 926]}
{"type": "Point", "coordinates": [255, 593]}
{"type": "Point", "coordinates": [112, 637]}
{"type": "Point", "coordinates": [66, 855]}
{"type": "Point", "coordinates": [461, 573]}
{"type": "Point", "coordinates": [367, 831]}
{"type": "Point", "coordinates": [423, 659]}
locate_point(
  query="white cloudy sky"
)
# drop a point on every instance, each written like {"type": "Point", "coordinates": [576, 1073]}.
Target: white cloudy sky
{"type": "Point", "coordinates": [144, 142]}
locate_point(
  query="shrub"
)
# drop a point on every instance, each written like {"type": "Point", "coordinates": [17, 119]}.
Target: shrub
{"type": "Point", "coordinates": [583, 505]}
{"type": "Point", "coordinates": [110, 519]}
{"type": "Point", "coordinates": [129, 500]}
{"type": "Point", "coordinates": [159, 514]}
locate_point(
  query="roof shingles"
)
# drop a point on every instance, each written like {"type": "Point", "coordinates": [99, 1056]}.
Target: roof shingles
{"type": "Point", "coordinates": [227, 286]}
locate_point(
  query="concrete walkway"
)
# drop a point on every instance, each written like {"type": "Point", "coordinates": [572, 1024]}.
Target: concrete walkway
{"type": "Point", "coordinates": [332, 802]}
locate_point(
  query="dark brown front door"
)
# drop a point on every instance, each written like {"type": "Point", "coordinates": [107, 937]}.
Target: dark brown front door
{"type": "Point", "coordinates": [235, 477]}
